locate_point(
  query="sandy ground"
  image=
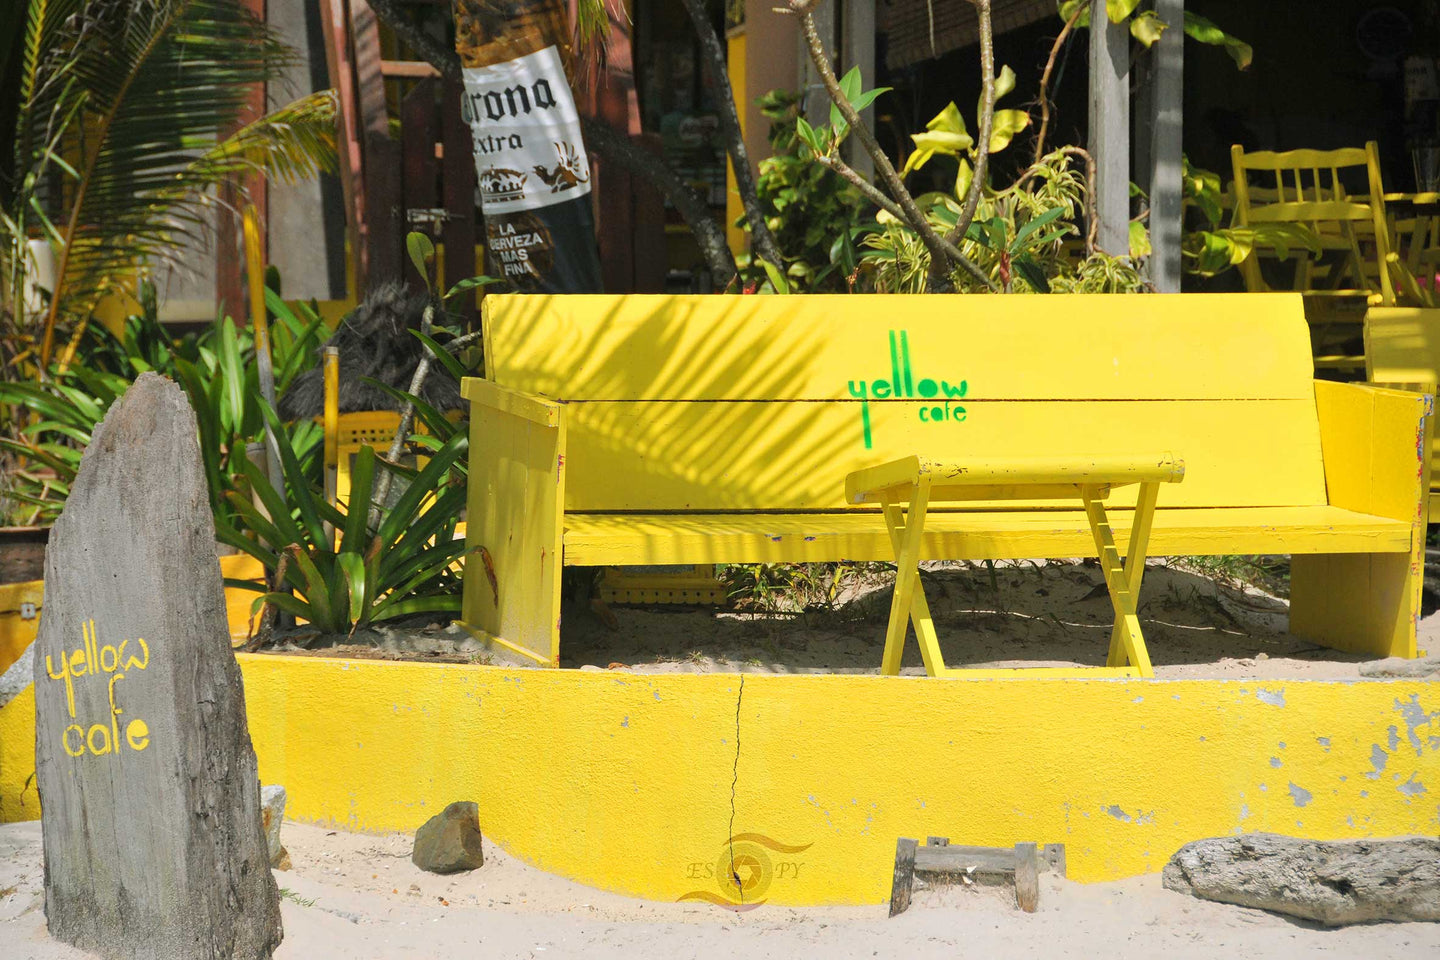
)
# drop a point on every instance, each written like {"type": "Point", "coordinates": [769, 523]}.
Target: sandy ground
{"type": "Point", "coordinates": [1033, 613]}
{"type": "Point", "coordinates": [359, 897]}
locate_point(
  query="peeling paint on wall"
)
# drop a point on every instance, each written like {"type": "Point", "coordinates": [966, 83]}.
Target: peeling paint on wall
{"type": "Point", "coordinates": [1119, 814]}
{"type": "Point", "coordinates": [1378, 759]}
{"type": "Point", "coordinates": [1300, 795]}
{"type": "Point", "coordinates": [1415, 718]}
{"type": "Point", "coordinates": [1411, 787]}
{"type": "Point", "coordinates": [1276, 698]}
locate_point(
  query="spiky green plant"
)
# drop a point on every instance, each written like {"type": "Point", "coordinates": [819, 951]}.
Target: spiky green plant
{"type": "Point", "coordinates": [403, 564]}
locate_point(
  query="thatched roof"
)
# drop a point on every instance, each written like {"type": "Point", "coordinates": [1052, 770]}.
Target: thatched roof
{"type": "Point", "coordinates": [374, 341]}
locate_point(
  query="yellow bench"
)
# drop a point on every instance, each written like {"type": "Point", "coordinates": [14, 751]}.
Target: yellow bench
{"type": "Point", "coordinates": [617, 430]}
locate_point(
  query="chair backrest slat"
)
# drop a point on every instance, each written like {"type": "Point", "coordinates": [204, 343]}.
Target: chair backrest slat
{"type": "Point", "coordinates": [1325, 210]}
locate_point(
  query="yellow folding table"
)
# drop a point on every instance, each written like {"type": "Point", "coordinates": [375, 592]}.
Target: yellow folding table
{"type": "Point", "coordinates": [906, 489]}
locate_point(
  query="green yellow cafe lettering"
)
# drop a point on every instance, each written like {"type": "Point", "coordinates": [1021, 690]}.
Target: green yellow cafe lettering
{"type": "Point", "coordinates": [902, 385]}
{"type": "Point", "coordinates": [90, 659]}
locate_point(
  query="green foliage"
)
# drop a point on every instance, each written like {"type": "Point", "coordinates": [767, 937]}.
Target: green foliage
{"type": "Point", "coordinates": [810, 209]}
{"type": "Point", "coordinates": [946, 135]}
{"type": "Point", "coordinates": [1025, 238]}
{"type": "Point", "coordinates": [1211, 249]}
{"type": "Point", "coordinates": [1147, 27]}
{"type": "Point", "coordinates": [216, 368]}
{"type": "Point", "coordinates": [387, 564]}
{"type": "Point", "coordinates": [794, 587]}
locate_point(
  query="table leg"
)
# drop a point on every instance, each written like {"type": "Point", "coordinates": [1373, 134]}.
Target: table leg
{"type": "Point", "coordinates": [907, 572]}
{"type": "Point", "coordinates": [1132, 641]}
{"type": "Point", "coordinates": [919, 608]}
{"type": "Point", "coordinates": [1135, 561]}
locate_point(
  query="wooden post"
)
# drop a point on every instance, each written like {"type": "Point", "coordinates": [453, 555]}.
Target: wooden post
{"type": "Point", "coordinates": [1027, 877]}
{"type": "Point", "coordinates": [1166, 98]}
{"type": "Point", "coordinates": [385, 238]}
{"type": "Point", "coordinates": [457, 180]}
{"type": "Point", "coordinates": [1110, 130]}
{"type": "Point", "coordinates": [904, 875]}
{"type": "Point", "coordinates": [419, 129]}
{"type": "Point", "coordinates": [336, 27]}
{"type": "Point", "coordinates": [858, 29]}
{"type": "Point", "coordinates": [148, 782]}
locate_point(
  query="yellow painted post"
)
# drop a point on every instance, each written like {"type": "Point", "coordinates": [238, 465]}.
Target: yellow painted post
{"type": "Point", "coordinates": [907, 573]}
{"type": "Point", "coordinates": [919, 609]}
{"type": "Point", "coordinates": [260, 330]}
{"type": "Point", "coordinates": [1135, 562]}
{"type": "Point", "coordinates": [1127, 624]}
{"type": "Point", "coordinates": [735, 59]}
{"type": "Point", "coordinates": [331, 423]}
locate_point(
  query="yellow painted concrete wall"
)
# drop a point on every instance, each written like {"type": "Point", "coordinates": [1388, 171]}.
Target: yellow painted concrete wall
{"type": "Point", "coordinates": [625, 781]}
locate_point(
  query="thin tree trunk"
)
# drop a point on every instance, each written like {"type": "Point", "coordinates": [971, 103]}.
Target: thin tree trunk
{"type": "Point", "coordinates": [714, 62]}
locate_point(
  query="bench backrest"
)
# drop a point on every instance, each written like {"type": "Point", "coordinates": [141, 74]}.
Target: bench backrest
{"type": "Point", "coordinates": [766, 403]}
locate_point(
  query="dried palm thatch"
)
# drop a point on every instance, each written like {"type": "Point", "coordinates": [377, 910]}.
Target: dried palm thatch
{"type": "Point", "coordinates": [374, 341]}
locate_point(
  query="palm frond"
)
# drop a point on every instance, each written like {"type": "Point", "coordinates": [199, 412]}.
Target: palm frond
{"type": "Point", "coordinates": [290, 144]}
{"type": "Point", "coordinates": [161, 81]}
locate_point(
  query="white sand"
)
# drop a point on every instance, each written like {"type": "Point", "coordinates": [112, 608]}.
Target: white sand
{"type": "Point", "coordinates": [357, 897]}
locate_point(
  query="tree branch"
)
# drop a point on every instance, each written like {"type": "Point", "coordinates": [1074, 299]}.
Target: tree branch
{"type": "Point", "coordinates": [433, 51]}
{"type": "Point", "coordinates": [874, 195]}
{"type": "Point", "coordinates": [1045, 77]}
{"type": "Point", "coordinates": [986, 122]}
{"type": "Point", "coordinates": [912, 215]}
{"type": "Point", "coordinates": [713, 61]}
{"type": "Point", "coordinates": [709, 235]}
{"type": "Point", "coordinates": [603, 138]}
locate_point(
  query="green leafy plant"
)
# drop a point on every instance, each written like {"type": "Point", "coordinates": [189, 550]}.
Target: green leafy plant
{"type": "Point", "coordinates": [1024, 238]}
{"type": "Point", "coordinates": [1210, 249]}
{"type": "Point", "coordinates": [216, 368]}
{"type": "Point", "coordinates": [1146, 26]}
{"type": "Point", "coordinates": [812, 212]}
{"type": "Point", "coordinates": [947, 136]}
{"type": "Point", "coordinates": [400, 565]}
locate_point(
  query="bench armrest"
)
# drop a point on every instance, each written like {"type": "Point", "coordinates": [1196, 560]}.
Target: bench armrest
{"type": "Point", "coordinates": [527, 406]}
{"type": "Point", "coordinates": [1375, 443]}
{"type": "Point", "coordinates": [515, 509]}
{"type": "Point", "coordinates": [874, 483]}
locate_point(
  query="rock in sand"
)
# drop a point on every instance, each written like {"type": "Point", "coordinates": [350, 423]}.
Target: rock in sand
{"type": "Point", "coordinates": [450, 841]}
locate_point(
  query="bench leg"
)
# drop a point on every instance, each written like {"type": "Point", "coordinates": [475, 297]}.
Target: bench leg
{"type": "Point", "coordinates": [1361, 603]}
{"type": "Point", "coordinates": [1127, 624]}
{"type": "Point", "coordinates": [909, 600]}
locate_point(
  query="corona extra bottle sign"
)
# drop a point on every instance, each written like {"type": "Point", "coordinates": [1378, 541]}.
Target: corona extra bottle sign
{"type": "Point", "coordinates": [532, 170]}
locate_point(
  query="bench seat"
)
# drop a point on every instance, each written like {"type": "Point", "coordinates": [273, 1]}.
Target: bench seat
{"type": "Point", "coordinates": [598, 539]}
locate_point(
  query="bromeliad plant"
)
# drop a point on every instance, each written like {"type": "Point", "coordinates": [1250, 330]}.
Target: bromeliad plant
{"type": "Point", "coordinates": [402, 564]}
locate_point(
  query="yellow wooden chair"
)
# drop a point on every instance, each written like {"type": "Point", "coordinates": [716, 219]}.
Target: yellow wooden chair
{"type": "Point", "coordinates": [1308, 189]}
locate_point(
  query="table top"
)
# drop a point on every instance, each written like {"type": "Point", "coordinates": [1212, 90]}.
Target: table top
{"type": "Point", "coordinates": [1008, 478]}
